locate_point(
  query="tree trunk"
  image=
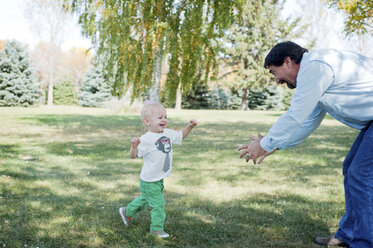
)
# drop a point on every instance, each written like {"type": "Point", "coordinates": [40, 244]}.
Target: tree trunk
{"type": "Point", "coordinates": [178, 98]}
{"type": "Point", "coordinates": [157, 73]}
{"type": "Point", "coordinates": [50, 90]}
{"type": "Point", "coordinates": [245, 99]}
{"type": "Point", "coordinates": [52, 51]}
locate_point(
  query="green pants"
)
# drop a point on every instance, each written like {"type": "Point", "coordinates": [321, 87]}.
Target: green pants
{"type": "Point", "coordinates": [151, 194]}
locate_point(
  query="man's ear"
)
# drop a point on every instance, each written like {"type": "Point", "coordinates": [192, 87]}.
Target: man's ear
{"type": "Point", "coordinates": [288, 60]}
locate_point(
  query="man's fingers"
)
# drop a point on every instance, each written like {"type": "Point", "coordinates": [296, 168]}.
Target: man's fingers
{"type": "Point", "coordinates": [262, 158]}
{"type": "Point", "coordinates": [252, 137]}
{"type": "Point", "coordinates": [242, 147]}
{"type": "Point", "coordinates": [254, 160]}
{"type": "Point", "coordinates": [248, 157]}
{"type": "Point", "coordinates": [266, 155]}
{"type": "Point", "coordinates": [243, 153]}
{"type": "Point", "coordinates": [251, 157]}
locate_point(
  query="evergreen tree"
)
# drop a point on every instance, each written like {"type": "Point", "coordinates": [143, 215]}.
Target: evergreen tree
{"type": "Point", "coordinates": [268, 98]}
{"type": "Point", "coordinates": [95, 90]}
{"type": "Point", "coordinates": [17, 85]}
{"type": "Point", "coordinates": [218, 98]}
{"type": "Point", "coordinates": [248, 42]}
{"type": "Point", "coordinates": [197, 98]}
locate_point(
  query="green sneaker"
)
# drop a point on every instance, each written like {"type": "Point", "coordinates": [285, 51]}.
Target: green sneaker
{"type": "Point", "coordinates": [330, 241]}
{"type": "Point", "coordinates": [161, 234]}
{"type": "Point", "coordinates": [125, 218]}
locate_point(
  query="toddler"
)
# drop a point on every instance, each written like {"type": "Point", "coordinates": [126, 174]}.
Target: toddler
{"type": "Point", "coordinates": [155, 147]}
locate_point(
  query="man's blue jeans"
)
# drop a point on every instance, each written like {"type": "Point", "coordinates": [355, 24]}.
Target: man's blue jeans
{"type": "Point", "coordinates": [356, 226]}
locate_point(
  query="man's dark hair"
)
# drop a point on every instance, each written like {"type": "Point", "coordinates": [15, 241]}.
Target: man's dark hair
{"type": "Point", "coordinates": [279, 52]}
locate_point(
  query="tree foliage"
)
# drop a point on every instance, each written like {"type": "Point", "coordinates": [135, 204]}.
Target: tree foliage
{"type": "Point", "coordinates": [95, 90]}
{"type": "Point", "coordinates": [75, 63]}
{"type": "Point", "coordinates": [248, 42]}
{"type": "Point", "coordinates": [197, 97]}
{"type": "Point", "coordinates": [17, 85]}
{"type": "Point", "coordinates": [134, 35]}
{"type": "Point", "coordinates": [65, 93]}
{"type": "Point", "coordinates": [268, 98]}
{"type": "Point", "coordinates": [359, 15]}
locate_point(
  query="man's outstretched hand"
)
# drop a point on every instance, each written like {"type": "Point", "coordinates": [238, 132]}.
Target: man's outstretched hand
{"type": "Point", "coordinates": [254, 150]}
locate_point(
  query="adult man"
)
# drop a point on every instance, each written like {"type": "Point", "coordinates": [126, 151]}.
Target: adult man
{"type": "Point", "coordinates": [341, 84]}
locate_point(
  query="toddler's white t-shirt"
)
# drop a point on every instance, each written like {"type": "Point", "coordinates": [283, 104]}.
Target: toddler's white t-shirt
{"type": "Point", "coordinates": [156, 151]}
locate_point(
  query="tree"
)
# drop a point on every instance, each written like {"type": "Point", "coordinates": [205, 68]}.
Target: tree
{"type": "Point", "coordinates": [319, 22]}
{"type": "Point", "coordinates": [269, 98]}
{"type": "Point", "coordinates": [247, 43]}
{"type": "Point", "coordinates": [359, 15]}
{"type": "Point", "coordinates": [46, 68]}
{"type": "Point", "coordinates": [49, 20]}
{"type": "Point", "coordinates": [95, 90]}
{"type": "Point", "coordinates": [218, 98]}
{"type": "Point", "coordinates": [75, 63]}
{"type": "Point", "coordinates": [135, 36]}
{"type": "Point", "coordinates": [17, 86]}
{"type": "Point", "coordinates": [197, 97]}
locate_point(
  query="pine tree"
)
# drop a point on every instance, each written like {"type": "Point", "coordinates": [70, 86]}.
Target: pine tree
{"type": "Point", "coordinates": [218, 98]}
{"type": "Point", "coordinates": [248, 42]}
{"type": "Point", "coordinates": [17, 85]}
{"type": "Point", "coordinates": [95, 90]}
{"type": "Point", "coordinates": [197, 97]}
{"type": "Point", "coordinates": [268, 98]}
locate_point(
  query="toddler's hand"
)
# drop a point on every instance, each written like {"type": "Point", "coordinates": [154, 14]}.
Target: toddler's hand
{"type": "Point", "coordinates": [193, 123]}
{"type": "Point", "coordinates": [135, 142]}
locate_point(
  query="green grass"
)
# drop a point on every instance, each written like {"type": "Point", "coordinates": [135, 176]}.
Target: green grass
{"type": "Point", "coordinates": [65, 171]}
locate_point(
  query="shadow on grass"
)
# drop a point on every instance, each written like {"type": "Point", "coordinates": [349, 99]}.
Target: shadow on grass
{"type": "Point", "coordinates": [246, 222]}
{"type": "Point", "coordinates": [41, 217]}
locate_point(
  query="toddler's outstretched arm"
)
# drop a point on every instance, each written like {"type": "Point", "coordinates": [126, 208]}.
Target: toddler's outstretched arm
{"type": "Point", "coordinates": [192, 123]}
{"type": "Point", "coordinates": [134, 144]}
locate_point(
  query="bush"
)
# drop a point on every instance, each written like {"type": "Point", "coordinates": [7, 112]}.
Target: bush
{"type": "Point", "coordinates": [65, 94]}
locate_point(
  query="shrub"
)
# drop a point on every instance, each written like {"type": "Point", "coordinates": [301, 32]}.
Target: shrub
{"type": "Point", "coordinates": [65, 94]}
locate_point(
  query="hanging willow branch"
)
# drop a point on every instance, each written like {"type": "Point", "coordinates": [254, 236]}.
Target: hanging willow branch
{"type": "Point", "coordinates": [128, 33]}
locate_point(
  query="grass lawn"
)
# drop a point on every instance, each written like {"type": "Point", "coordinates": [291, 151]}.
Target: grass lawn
{"type": "Point", "coordinates": [65, 171]}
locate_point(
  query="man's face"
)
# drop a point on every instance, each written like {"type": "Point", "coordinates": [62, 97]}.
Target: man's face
{"type": "Point", "coordinates": [286, 73]}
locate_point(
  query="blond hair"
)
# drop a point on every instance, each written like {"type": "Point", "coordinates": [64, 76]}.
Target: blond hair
{"type": "Point", "coordinates": [147, 110]}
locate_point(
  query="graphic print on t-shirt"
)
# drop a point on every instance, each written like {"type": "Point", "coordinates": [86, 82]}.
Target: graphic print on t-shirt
{"type": "Point", "coordinates": [163, 144]}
